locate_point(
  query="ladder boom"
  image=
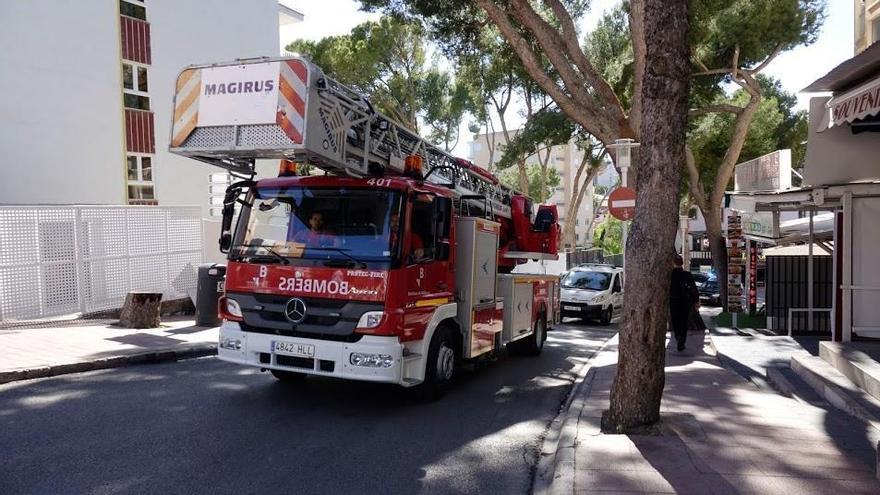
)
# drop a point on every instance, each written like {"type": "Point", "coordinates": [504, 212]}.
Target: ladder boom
{"type": "Point", "coordinates": [300, 114]}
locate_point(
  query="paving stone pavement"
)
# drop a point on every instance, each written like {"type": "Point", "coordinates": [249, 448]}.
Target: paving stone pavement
{"type": "Point", "coordinates": [720, 434]}
{"type": "Point", "coordinates": [67, 348]}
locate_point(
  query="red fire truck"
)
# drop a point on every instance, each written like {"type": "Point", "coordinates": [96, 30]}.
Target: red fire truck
{"type": "Point", "coordinates": [393, 266]}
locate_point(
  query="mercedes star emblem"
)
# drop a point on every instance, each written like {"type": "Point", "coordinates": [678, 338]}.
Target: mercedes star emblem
{"type": "Point", "coordinates": [295, 310]}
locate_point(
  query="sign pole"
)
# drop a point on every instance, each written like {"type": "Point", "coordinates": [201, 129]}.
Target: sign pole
{"type": "Point", "coordinates": [623, 148]}
{"type": "Point", "coordinates": [623, 167]}
{"type": "Point", "coordinates": [735, 266]}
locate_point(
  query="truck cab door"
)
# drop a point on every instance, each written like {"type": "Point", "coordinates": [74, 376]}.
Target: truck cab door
{"type": "Point", "coordinates": [426, 258]}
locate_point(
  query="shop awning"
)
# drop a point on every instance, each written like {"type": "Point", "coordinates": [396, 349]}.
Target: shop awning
{"type": "Point", "coordinates": [858, 103]}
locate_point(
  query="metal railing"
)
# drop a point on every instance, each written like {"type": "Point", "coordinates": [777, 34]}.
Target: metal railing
{"type": "Point", "coordinates": [810, 311]}
{"type": "Point", "coordinates": [57, 260]}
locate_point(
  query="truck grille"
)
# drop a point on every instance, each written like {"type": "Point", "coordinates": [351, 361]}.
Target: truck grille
{"type": "Point", "coordinates": [328, 319]}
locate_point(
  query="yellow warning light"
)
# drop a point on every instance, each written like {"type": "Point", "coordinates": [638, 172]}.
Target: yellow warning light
{"type": "Point", "coordinates": [413, 165]}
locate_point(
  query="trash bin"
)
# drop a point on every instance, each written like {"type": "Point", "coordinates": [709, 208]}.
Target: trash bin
{"type": "Point", "coordinates": [209, 290]}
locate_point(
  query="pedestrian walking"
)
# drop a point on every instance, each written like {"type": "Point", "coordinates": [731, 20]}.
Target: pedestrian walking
{"type": "Point", "coordinates": [683, 298]}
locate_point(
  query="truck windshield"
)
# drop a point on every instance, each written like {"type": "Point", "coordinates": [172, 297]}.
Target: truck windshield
{"type": "Point", "coordinates": [332, 224]}
{"type": "Point", "coordinates": [587, 280]}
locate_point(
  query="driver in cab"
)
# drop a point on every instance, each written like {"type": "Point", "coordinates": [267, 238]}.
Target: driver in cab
{"type": "Point", "coordinates": [317, 234]}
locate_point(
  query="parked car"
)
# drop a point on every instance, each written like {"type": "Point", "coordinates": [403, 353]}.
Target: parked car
{"type": "Point", "coordinates": [592, 292]}
{"type": "Point", "coordinates": [710, 294]}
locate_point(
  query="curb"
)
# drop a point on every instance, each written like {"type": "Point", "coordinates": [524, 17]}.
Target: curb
{"type": "Point", "coordinates": [563, 431]}
{"type": "Point", "coordinates": [756, 379]}
{"type": "Point", "coordinates": [154, 356]}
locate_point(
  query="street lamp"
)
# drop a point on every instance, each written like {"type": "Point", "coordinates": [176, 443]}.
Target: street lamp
{"type": "Point", "coordinates": [623, 148]}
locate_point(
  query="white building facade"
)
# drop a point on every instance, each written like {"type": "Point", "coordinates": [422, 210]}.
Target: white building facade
{"type": "Point", "coordinates": [88, 95]}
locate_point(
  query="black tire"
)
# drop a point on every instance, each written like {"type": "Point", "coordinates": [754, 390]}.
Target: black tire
{"type": "Point", "coordinates": [607, 315]}
{"type": "Point", "coordinates": [534, 343]}
{"type": "Point", "coordinates": [288, 376]}
{"type": "Point", "coordinates": [441, 367]}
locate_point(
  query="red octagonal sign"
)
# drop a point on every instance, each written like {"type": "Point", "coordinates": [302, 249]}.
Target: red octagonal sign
{"type": "Point", "coordinates": [622, 203]}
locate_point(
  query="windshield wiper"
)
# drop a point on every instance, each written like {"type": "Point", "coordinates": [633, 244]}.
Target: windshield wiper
{"type": "Point", "coordinates": [343, 252]}
{"type": "Point", "coordinates": [275, 255]}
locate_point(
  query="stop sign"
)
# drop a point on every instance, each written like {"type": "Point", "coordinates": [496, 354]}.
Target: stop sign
{"type": "Point", "coordinates": [622, 203]}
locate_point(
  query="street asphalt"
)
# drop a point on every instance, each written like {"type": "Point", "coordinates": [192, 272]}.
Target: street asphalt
{"type": "Point", "coordinates": [203, 425]}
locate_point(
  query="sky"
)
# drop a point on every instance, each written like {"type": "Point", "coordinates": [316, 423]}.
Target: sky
{"type": "Point", "coordinates": [795, 69]}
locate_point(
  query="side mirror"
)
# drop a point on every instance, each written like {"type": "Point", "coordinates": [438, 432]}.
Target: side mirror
{"type": "Point", "coordinates": [225, 242]}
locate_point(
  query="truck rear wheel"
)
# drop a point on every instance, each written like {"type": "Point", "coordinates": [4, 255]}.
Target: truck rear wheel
{"type": "Point", "coordinates": [441, 366]}
{"type": "Point", "coordinates": [534, 343]}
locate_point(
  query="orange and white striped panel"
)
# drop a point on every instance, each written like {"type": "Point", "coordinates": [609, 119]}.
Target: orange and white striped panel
{"type": "Point", "coordinates": [293, 93]}
{"type": "Point", "coordinates": [186, 105]}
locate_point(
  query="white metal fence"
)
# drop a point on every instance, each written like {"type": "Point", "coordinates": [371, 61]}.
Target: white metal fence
{"type": "Point", "coordinates": [58, 260]}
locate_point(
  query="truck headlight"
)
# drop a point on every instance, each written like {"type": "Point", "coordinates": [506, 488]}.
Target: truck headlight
{"type": "Point", "coordinates": [369, 360]}
{"type": "Point", "coordinates": [231, 344]}
{"type": "Point", "coordinates": [370, 319]}
{"type": "Point", "coordinates": [233, 308]}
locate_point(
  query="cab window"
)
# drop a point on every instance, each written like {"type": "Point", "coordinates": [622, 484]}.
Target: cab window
{"type": "Point", "coordinates": [616, 287]}
{"type": "Point", "coordinates": [421, 229]}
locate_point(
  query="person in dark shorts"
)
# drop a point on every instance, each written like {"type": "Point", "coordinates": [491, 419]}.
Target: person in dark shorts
{"type": "Point", "coordinates": [683, 297]}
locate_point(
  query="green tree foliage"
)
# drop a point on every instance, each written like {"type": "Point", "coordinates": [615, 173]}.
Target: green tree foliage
{"type": "Point", "coordinates": [775, 126]}
{"type": "Point", "coordinates": [444, 103]}
{"type": "Point", "coordinates": [548, 127]}
{"type": "Point", "coordinates": [384, 60]}
{"type": "Point", "coordinates": [510, 177]}
{"type": "Point", "coordinates": [608, 235]}
{"type": "Point", "coordinates": [387, 61]}
{"type": "Point", "coordinates": [611, 50]}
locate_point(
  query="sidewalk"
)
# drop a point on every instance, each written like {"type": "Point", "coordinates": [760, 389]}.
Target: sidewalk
{"type": "Point", "coordinates": [73, 346]}
{"type": "Point", "coordinates": [720, 434]}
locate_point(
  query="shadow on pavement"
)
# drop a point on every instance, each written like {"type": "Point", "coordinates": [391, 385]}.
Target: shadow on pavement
{"type": "Point", "coordinates": [205, 425]}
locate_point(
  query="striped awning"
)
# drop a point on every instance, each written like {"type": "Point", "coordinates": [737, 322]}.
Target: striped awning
{"type": "Point", "coordinates": [858, 103]}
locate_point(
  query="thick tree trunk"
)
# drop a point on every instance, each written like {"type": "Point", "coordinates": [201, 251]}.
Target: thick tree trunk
{"type": "Point", "coordinates": [719, 249]}
{"type": "Point", "coordinates": [638, 385]}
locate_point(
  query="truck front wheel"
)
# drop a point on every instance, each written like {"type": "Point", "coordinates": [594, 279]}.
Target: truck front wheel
{"type": "Point", "coordinates": [441, 366]}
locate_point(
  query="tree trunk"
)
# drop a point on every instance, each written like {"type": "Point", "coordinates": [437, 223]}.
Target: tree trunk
{"type": "Point", "coordinates": [141, 310]}
{"type": "Point", "coordinates": [578, 193]}
{"type": "Point", "coordinates": [601, 202]}
{"type": "Point", "coordinates": [719, 249]}
{"type": "Point", "coordinates": [638, 385]}
{"type": "Point", "coordinates": [523, 177]}
{"type": "Point", "coordinates": [543, 179]}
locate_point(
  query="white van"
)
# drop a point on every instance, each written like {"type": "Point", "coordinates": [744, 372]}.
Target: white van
{"type": "Point", "coordinates": [592, 291]}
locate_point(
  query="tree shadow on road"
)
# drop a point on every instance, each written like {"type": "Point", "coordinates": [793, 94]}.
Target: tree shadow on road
{"type": "Point", "coordinates": [197, 425]}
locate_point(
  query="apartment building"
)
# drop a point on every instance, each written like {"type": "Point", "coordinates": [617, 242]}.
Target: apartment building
{"type": "Point", "coordinates": [88, 90]}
